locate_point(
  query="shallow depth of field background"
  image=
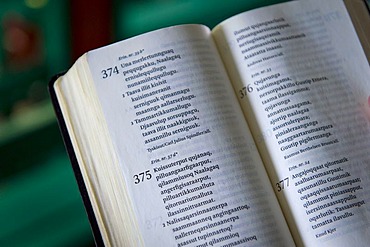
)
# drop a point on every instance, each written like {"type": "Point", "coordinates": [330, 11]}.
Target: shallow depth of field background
{"type": "Point", "coordinates": [40, 204]}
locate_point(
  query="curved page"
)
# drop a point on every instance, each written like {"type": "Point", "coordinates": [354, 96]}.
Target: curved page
{"type": "Point", "coordinates": [303, 80]}
{"type": "Point", "coordinates": [187, 156]}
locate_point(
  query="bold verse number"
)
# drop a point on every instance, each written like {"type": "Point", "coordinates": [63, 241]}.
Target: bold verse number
{"type": "Point", "coordinates": [142, 176]}
{"type": "Point", "coordinates": [282, 184]}
{"type": "Point", "coordinates": [109, 72]}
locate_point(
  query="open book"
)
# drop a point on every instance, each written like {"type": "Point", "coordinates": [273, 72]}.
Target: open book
{"type": "Point", "coordinates": [255, 133]}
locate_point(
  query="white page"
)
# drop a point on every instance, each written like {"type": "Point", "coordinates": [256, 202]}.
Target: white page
{"type": "Point", "coordinates": [303, 80]}
{"type": "Point", "coordinates": [190, 163]}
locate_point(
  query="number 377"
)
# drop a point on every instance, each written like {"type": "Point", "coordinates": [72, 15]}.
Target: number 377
{"type": "Point", "coordinates": [282, 184]}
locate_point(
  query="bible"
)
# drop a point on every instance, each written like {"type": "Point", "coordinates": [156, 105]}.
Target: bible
{"type": "Point", "coordinates": [254, 133]}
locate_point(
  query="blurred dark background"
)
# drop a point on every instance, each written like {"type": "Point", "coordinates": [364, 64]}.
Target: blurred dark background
{"type": "Point", "coordinates": [39, 200]}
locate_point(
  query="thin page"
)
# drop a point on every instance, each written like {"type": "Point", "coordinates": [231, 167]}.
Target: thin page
{"type": "Point", "coordinates": [303, 80]}
{"type": "Point", "coordinates": [188, 159]}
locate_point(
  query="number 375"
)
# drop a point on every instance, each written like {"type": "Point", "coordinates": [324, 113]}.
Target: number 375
{"type": "Point", "coordinates": [142, 176]}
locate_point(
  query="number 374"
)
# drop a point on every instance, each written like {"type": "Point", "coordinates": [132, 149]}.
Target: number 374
{"type": "Point", "coordinates": [109, 72]}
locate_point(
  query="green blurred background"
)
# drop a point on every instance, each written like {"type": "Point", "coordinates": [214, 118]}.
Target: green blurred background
{"type": "Point", "coordinates": [39, 200]}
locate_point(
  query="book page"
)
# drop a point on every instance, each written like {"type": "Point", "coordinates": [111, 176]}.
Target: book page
{"type": "Point", "coordinates": [303, 81]}
{"type": "Point", "coordinates": [189, 161]}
